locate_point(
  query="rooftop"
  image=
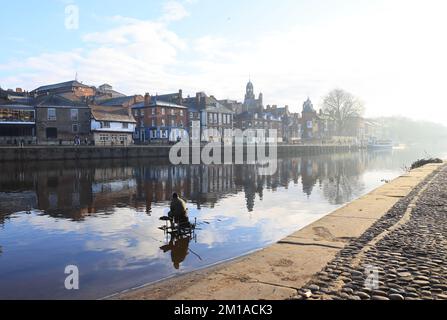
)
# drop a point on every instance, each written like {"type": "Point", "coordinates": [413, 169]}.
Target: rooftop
{"type": "Point", "coordinates": [155, 102]}
{"type": "Point", "coordinates": [60, 100]}
{"type": "Point", "coordinates": [119, 101]}
{"type": "Point", "coordinates": [73, 83]}
{"type": "Point", "coordinates": [111, 114]}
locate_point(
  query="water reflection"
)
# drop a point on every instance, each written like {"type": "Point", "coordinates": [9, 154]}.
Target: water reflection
{"type": "Point", "coordinates": [104, 215]}
{"type": "Point", "coordinates": [179, 248]}
{"type": "Point", "coordinates": [77, 190]}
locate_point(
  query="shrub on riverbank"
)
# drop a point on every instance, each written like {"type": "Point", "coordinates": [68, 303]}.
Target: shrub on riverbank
{"type": "Point", "coordinates": [423, 162]}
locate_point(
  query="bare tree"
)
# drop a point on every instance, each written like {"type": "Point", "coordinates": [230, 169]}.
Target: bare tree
{"type": "Point", "coordinates": [341, 106]}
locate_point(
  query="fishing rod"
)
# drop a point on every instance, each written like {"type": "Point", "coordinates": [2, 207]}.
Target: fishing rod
{"type": "Point", "coordinates": [200, 258]}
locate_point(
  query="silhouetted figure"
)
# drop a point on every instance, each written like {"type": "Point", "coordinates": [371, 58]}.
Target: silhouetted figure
{"type": "Point", "coordinates": [179, 212]}
{"type": "Point", "coordinates": [179, 247]}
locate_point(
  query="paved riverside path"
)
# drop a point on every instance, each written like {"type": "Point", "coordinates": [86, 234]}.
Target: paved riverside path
{"type": "Point", "coordinates": [407, 250]}
{"type": "Point", "coordinates": [281, 270]}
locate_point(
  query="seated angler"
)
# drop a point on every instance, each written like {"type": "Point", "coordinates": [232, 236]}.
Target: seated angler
{"type": "Point", "coordinates": [179, 212]}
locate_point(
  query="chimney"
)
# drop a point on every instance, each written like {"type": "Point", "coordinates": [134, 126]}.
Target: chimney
{"type": "Point", "coordinates": [287, 109]}
{"type": "Point", "coordinates": [180, 97]}
{"type": "Point", "coordinates": [147, 99]}
{"type": "Point", "coordinates": [199, 100]}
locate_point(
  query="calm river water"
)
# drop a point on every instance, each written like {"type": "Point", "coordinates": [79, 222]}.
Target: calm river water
{"type": "Point", "coordinates": [104, 216]}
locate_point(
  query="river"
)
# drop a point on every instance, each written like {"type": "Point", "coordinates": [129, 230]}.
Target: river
{"type": "Point", "coordinates": [103, 216]}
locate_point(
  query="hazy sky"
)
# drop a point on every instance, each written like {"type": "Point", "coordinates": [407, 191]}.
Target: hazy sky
{"type": "Point", "coordinates": [391, 53]}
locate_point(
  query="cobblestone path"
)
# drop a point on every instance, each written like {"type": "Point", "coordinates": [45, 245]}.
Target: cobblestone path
{"type": "Point", "coordinates": [403, 256]}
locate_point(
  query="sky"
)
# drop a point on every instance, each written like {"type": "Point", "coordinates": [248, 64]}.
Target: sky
{"type": "Point", "coordinates": [390, 53]}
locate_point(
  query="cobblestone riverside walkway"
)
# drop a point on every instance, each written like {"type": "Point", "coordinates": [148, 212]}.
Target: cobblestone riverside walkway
{"type": "Point", "coordinates": [403, 256]}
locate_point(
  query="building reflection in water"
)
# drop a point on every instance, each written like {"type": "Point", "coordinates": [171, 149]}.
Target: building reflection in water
{"type": "Point", "coordinates": [76, 190]}
{"type": "Point", "coordinates": [105, 214]}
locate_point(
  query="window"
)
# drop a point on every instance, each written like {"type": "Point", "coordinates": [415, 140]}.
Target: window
{"type": "Point", "coordinates": [153, 111]}
{"type": "Point", "coordinates": [163, 122]}
{"type": "Point", "coordinates": [103, 137]}
{"type": "Point", "coordinates": [51, 133]}
{"type": "Point", "coordinates": [163, 111]}
{"type": "Point", "coordinates": [172, 123]}
{"type": "Point", "coordinates": [153, 123]}
{"type": "Point", "coordinates": [309, 124]}
{"type": "Point", "coordinates": [191, 115]}
{"type": "Point", "coordinates": [181, 113]}
{"type": "Point", "coordinates": [215, 118]}
{"type": "Point", "coordinates": [105, 124]}
{"type": "Point", "coordinates": [12, 115]}
{"type": "Point", "coordinates": [51, 114]}
{"type": "Point", "coordinates": [135, 113]}
{"type": "Point", "coordinates": [172, 112]}
{"type": "Point", "coordinates": [74, 114]}
{"type": "Point", "coordinates": [125, 125]}
{"type": "Point", "coordinates": [75, 128]}
{"type": "Point", "coordinates": [142, 113]}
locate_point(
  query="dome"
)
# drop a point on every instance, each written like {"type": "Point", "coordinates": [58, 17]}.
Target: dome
{"type": "Point", "coordinates": [250, 86]}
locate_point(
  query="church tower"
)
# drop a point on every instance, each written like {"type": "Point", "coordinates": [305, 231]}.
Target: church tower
{"type": "Point", "coordinates": [249, 94]}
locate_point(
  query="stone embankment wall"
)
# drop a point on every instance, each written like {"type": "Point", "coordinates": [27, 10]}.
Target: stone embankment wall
{"type": "Point", "coordinates": [85, 153]}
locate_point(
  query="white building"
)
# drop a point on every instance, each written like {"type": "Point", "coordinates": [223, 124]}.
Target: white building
{"type": "Point", "coordinates": [112, 126]}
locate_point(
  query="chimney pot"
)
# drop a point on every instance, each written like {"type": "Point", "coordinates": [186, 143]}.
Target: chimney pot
{"type": "Point", "coordinates": [147, 99]}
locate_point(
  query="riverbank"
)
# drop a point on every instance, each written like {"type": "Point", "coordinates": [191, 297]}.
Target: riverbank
{"type": "Point", "coordinates": [407, 248]}
{"type": "Point", "coordinates": [48, 153]}
{"type": "Point", "coordinates": [292, 266]}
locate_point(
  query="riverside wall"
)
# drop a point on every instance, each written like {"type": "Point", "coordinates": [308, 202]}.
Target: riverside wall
{"type": "Point", "coordinates": [47, 153]}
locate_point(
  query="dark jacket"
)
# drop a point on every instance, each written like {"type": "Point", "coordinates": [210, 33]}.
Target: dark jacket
{"type": "Point", "coordinates": [178, 208]}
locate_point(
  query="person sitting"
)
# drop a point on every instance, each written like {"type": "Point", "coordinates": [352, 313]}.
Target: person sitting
{"type": "Point", "coordinates": [179, 212]}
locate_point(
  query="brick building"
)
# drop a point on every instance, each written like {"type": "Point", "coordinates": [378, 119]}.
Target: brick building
{"type": "Point", "coordinates": [215, 119]}
{"type": "Point", "coordinates": [310, 123]}
{"type": "Point", "coordinates": [60, 118]}
{"type": "Point", "coordinates": [160, 121]}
